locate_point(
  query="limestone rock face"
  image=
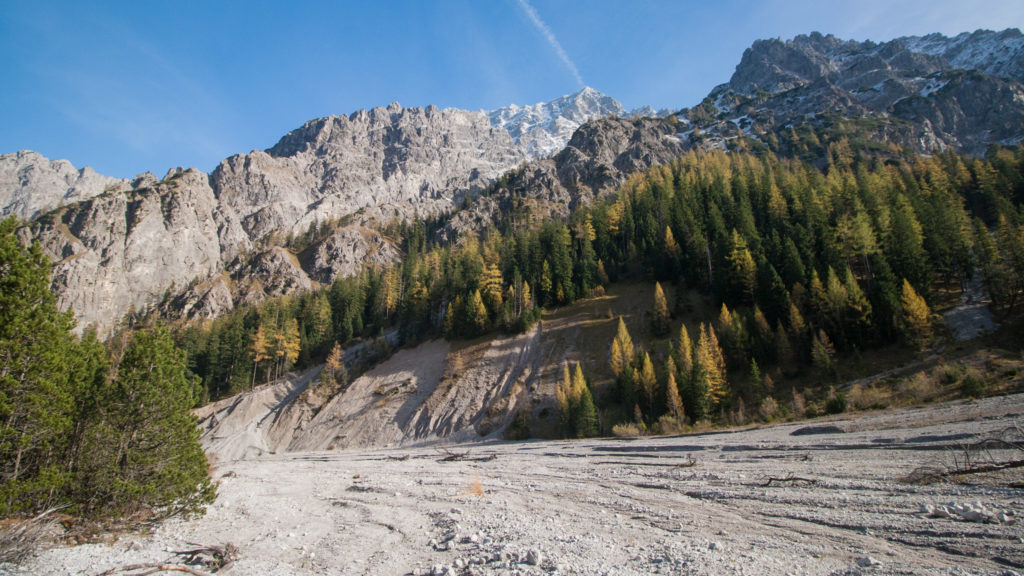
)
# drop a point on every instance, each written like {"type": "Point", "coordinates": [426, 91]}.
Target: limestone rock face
{"type": "Point", "coordinates": [30, 184]}
{"type": "Point", "coordinates": [932, 92]}
{"type": "Point", "coordinates": [600, 157]}
{"type": "Point", "coordinates": [123, 250]}
{"type": "Point", "coordinates": [186, 243]}
{"type": "Point", "coordinates": [385, 162]}
{"type": "Point", "coordinates": [345, 252]}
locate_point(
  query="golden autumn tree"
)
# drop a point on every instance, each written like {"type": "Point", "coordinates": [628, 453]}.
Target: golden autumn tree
{"type": "Point", "coordinates": [334, 375]}
{"type": "Point", "coordinates": [710, 364]}
{"type": "Point", "coordinates": [492, 288]}
{"type": "Point", "coordinates": [261, 349]}
{"type": "Point", "coordinates": [622, 352]}
{"type": "Point", "coordinates": [660, 321]}
{"type": "Point", "coordinates": [684, 353]}
{"type": "Point", "coordinates": [673, 401]}
{"type": "Point", "coordinates": [287, 345]}
{"type": "Point", "coordinates": [563, 393]}
{"type": "Point", "coordinates": [576, 410]}
{"type": "Point", "coordinates": [584, 420]}
{"type": "Point", "coordinates": [648, 383]}
{"type": "Point", "coordinates": [916, 317]}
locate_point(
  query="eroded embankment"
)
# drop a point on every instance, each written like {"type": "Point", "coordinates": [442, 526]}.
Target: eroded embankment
{"type": "Point", "coordinates": [422, 394]}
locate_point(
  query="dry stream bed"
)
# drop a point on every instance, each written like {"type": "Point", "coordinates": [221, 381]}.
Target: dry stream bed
{"type": "Point", "coordinates": [805, 498]}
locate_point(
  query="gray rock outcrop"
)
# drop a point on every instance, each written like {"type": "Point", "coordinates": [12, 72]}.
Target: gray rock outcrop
{"type": "Point", "coordinates": [30, 183]}
{"type": "Point", "coordinates": [932, 93]}
{"type": "Point", "coordinates": [383, 163]}
{"type": "Point", "coordinates": [345, 252]}
{"type": "Point", "coordinates": [124, 250]}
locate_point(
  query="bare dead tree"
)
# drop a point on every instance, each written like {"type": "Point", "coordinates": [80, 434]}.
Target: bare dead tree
{"type": "Point", "coordinates": [985, 456]}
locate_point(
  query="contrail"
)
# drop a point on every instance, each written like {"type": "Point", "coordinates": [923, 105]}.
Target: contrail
{"type": "Point", "coordinates": [551, 39]}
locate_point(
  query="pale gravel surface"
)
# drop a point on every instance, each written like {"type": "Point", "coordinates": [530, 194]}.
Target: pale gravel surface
{"type": "Point", "coordinates": [610, 506]}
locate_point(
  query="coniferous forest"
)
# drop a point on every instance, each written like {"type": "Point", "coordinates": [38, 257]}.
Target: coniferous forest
{"type": "Point", "coordinates": [804, 264]}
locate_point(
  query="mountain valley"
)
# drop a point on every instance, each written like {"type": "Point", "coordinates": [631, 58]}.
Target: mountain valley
{"type": "Point", "coordinates": [387, 322]}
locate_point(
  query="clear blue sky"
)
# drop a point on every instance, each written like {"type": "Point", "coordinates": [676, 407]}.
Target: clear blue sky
{"type": "Point", "coordinates": [127, 87]}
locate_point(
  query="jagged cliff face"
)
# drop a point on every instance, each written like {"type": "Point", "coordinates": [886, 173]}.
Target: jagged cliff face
{"type": "Point", "coordinates": [123, 250]}
{"type": "Point", "coordinates": [960, 93]}
{"type": "Point", "coordinates": [30, 183]}
{"type": "Point", "coordinates": [387, 162]}
{"type": "Point", "coordinates": [600, 157]}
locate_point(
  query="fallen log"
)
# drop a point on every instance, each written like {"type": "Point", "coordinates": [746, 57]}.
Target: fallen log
{"type": "Point", "coordinates": [791, 480]}
{"type": "Point", "coordinates": [148, 569]}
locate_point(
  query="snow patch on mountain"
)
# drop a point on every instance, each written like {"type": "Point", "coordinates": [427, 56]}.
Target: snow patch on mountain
{"type": "Point", "coordinates": [543, 129]}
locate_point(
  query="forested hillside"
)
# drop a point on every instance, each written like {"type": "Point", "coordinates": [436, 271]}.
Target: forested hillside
{"type": "Point", "coordinates": [804, 265]}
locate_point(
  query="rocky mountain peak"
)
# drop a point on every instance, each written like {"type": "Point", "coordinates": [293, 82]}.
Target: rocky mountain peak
{"type": "Point", "coordinates": [544, 128]}
{"type": "Point", "coordinates": [931, 93]}
{"type": "Point", "coordinates": [774, 66]}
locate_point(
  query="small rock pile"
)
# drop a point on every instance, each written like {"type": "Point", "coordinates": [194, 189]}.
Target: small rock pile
{"type": "Point", "coordinates": [969, 512]}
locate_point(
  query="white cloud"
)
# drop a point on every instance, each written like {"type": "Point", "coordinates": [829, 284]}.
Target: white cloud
{"type": "Point", "coordinates": [550, 36]}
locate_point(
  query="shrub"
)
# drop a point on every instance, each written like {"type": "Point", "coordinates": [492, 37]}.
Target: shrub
{"type": "Point", "coordinates": [836, 402]}
{"type": "Point", "coordinates": [949, 375]}
{"type": "Point", "coordinates": [866, 397]}
{"type": "Point", "coordinates": [972, 386]}
{"type": "Point", "coordinates": [627, 430]}
{"type": "Point", "coordinates": [919, 388]}
{"type": "Point", "coordinates": [769, 409]}
{"type": "Point", "coordinates": [669, 425]}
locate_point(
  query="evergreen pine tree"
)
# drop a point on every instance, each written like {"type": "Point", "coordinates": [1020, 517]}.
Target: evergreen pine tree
{"type": "Point", "coordinates": [823, 353]}
{"type": "Point", "coordinates": [35, 389]}
{"type": "Point", "coordinates": [143, 453]}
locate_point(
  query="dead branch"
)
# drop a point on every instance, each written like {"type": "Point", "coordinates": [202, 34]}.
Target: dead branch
{"type": "Point", "coordinates": [401, 458]}
{"type": "Point", "coordinates": [791, 480]}
{"type": "Point", "coordinates": [22, 538]}
{"type": "Point", "coordinates": [453, 456]}
{"type": "Point", "coordinates": [148, 569]}
{"type": "Point", "coordinates": [652, 486]}
{"type": "Point", "coordinates": [690, 462]}
{"type": "Point", "coordinates": [464, 457]}
{"type": "Point", "coordinates": [215, 557]}
{"type": "Point", "coordinates": [975, 458]}
{"type": "Point", "coordinates": [929, 474]}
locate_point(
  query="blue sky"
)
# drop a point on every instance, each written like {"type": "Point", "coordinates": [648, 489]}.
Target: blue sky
{"type": "Point", "coordinates": [127, 87]}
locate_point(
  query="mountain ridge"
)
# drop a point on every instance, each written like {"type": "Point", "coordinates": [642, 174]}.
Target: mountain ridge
{"type": "Point", "coordinates": [360, 170]}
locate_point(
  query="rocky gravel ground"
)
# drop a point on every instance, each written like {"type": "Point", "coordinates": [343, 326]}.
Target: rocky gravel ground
{"type": "Point", "coordinates": [822, 497]}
